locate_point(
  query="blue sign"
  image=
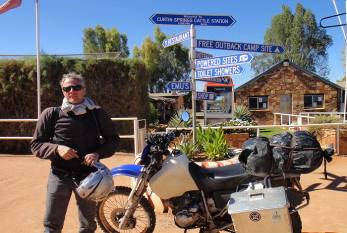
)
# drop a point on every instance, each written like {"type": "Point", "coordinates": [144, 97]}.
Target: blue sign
{"type": "Point", "coordinates": [202, 55]}
{"type": "Point", "coordinates": [223, 61]}
{"type": "Point", "coordinates": [222, 80]}
{"type": "Point", "coordinates": [218, 72]}
{"type": "Point", "coordinates": [176, 39]}
{"type": "Point", "coordinates": [205, 95]}
{"type": "Point", "coordinates": [199, 20]}
{"type": "Point", "coordinates": [246, 47]}
{"type": "Point", "coordinates": [182, 86]}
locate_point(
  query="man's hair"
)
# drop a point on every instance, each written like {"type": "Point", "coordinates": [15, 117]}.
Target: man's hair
{"type": "Point", "coordinates": [72, 75]}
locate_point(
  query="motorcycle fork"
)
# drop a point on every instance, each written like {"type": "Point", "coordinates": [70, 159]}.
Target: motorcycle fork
{"type": "Point", "coordinates": [209, 219]}
{"type": "Point", "coordinates": [134, 199]}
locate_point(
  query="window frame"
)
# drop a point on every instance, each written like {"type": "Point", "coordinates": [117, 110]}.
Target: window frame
{"type": "Point", "coordinates": [259, 102]}
{"type": "Point", "coordinates": [312, 101]}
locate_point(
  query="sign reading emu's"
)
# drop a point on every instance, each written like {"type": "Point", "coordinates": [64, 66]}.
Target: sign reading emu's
{"type": "Point", "coordinates": [199, 20]}
{"type": "Point", "coordinates": [246, 47]}
{"type": "Point", "coordinates": [182, 86]}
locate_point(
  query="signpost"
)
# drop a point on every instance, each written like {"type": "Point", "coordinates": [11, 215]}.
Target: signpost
{"type": "Point", "coordinates": [218, 72]}
{"type": "Point", "coordinates": [223, 61]}
{"type": "Point", "coordinates": [204, 95]}
{"type": "Point", "coordinates": [246, 47]}
{"type": "Point", "coordinates": [194, 20]}
{"type": "Point", "coordinates": [176, 39]}
{"type": "Point", "coordinates": [181, 86]}
{"type": "Point", "coordinates": [222, 80]}
{"type": "Point", "coordinates": [198, 20]}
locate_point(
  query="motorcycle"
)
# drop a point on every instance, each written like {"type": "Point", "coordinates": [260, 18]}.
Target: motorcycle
{"type": "Point", "coordinates": [198, 197]}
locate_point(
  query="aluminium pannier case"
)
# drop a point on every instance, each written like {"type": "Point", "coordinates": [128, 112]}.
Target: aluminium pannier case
{"type": "Point", "coordinates": [260, 211]}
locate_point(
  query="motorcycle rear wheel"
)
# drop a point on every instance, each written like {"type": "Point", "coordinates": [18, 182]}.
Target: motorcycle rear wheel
{"type": "Point", "coordinates": [113, 207]}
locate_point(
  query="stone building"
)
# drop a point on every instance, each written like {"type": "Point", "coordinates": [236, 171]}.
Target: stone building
{"type": "Point", "coordinates": [288, 88]}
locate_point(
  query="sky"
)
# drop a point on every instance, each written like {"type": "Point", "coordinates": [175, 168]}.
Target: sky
{"type": "Point", "coordinates": [62, 23]}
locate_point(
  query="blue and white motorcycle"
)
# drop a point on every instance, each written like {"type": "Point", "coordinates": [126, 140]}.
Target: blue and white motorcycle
{"type": "Point", "coordinates": [198, 197]}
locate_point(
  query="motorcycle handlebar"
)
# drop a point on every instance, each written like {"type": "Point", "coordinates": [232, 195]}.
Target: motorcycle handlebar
{"type": "Point", "coordinates": [157, 142]}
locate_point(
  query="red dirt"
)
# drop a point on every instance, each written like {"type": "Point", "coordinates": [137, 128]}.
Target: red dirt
{"type": "Point", "coordinates": [23, 186]}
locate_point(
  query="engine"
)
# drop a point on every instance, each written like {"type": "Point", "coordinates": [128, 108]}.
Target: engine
{"type": "Point", "coordinates": [188, 210]}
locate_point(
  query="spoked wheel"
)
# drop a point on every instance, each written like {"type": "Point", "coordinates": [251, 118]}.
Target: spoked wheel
{"type": "Point", "coordinates": [112, 209]}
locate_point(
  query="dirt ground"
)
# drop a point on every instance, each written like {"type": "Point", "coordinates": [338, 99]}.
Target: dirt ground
{"type": "Point", "coordinates": [23, 186]}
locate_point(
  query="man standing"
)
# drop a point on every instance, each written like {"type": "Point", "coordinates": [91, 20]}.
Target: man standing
{"type": "Point", "coordinates": [73, 136]}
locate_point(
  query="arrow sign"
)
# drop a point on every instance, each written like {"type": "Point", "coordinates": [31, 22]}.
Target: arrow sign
{"type": "Point", "coordinates": [176, 39]}
{"type": "Point", "coordinates": [218, 72]}
{"type": "Point", "coordinates": [204, 95]}
{"type": "Point", "coordinates": [182, 86]}
{"type": "Point", "coordinates": [246, 47]}
{"type": "Point", "coordinates": [199, 20]}
{"type": "Point", "coordinates": [223, 61]}
{"type": "Point", "coordinates": [222, 80]}
{"type": "Point", "coordinates": [202, 55]}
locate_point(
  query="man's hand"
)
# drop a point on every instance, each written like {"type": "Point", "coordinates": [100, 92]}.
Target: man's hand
{"type": "Point", "coordinates": [90, 159]}
{"type": "Point", "coordinates": [66, 152]}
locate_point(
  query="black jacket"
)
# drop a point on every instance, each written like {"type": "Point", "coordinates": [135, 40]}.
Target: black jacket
{"type": "Point", "coordinates": [78, 132]}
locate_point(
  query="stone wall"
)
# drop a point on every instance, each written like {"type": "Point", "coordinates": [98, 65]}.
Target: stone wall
{"type": "Point", "coordinates": [287, 80]}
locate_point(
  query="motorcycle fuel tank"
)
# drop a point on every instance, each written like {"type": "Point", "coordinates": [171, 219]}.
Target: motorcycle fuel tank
{"type": "Point", "coordinates": [173, 179]}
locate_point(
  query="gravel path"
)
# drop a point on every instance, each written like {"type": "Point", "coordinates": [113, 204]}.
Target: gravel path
{"type": "Point", "coordinates": [23, 185]}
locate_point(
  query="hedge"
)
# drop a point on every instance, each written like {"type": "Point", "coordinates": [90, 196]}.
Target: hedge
{"type": "Point", "coordinates": [119, 86]}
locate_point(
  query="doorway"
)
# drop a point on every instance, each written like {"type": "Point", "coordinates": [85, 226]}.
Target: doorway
{"type": "Point", "coordinates": [286, 107]}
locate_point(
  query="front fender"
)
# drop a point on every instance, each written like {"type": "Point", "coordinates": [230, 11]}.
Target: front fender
{"type": "Point", "coordinates": [131, 170]}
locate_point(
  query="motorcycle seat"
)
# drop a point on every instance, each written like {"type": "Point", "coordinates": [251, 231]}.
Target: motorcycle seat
{"type": "Point", "coordinates": [220, 178]}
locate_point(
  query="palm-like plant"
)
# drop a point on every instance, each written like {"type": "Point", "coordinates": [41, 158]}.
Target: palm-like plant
{"type": "Point", "coordinates": [175, 121]}
{"type": "Point", "coordinates": [241, 112]}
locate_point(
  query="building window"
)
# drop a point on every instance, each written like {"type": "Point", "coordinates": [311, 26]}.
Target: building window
{"type": "Point", "coordinates": [258, 102]}
{"type": "Point", "coordinates": [313, 101]}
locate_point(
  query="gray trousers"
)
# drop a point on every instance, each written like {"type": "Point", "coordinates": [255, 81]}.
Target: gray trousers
{"type": "Point", "coordinates": [59, 190]}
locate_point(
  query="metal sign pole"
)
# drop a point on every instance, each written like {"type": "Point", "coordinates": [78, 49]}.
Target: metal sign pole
{"type": "Point", "coordinates": [38, 71]}
{"type": "Point", "coordinates": [344, 107]}
{"type": "Point", "coordinates": [192, 64]}
{"type": "Point", "coordinates": [232, 101]}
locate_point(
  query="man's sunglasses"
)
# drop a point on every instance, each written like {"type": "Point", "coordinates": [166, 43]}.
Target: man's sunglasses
{"type": "Point", "coordinates": [75, 88]}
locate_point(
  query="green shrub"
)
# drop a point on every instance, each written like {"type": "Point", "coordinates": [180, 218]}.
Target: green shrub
{"type": "Point", "coordinates": [153, 114]}
{"type": "Point", "coordinates": [187, 146]}
{"type": "Point", "coordinates": [213, 143]}
{"type": "Point", "coordinates": [239, 122]}
{"type": "Point", "coordinates": [118, 85]}
{"type": "Point", "coordinates": [318, 131]}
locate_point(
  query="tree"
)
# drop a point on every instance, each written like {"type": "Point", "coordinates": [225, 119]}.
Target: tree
{"type": "Point", "coordinates": [305, 43]}
{"type": "Point", "coordinates": [99, 40]}
{"type": "Point", "coordinates": [164, 64]}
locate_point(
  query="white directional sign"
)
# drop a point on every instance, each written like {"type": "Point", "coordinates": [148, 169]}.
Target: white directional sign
{"type": "Point", "coordinates": [182, 86]}
{"type": "Point", "coordinates": [202, 55]}
{"type": "Point", "coordinates": [223, 61]}
{"type": "Point", "coordinates": [176, 39]}
{"type": "Point", "coordinates": [222, 80]}
{"type": "Point", "coordinates": [218, 72]}
{"type": "Point", "coordinates": [199, 20]}
{"type": "Point", "coordinates": [205, 95]}
{"type": "Point", "coordinates": [246, 47]}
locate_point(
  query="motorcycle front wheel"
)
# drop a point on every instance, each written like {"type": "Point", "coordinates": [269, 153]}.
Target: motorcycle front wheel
{"type": "Point", "coordinates": [112, 209]}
